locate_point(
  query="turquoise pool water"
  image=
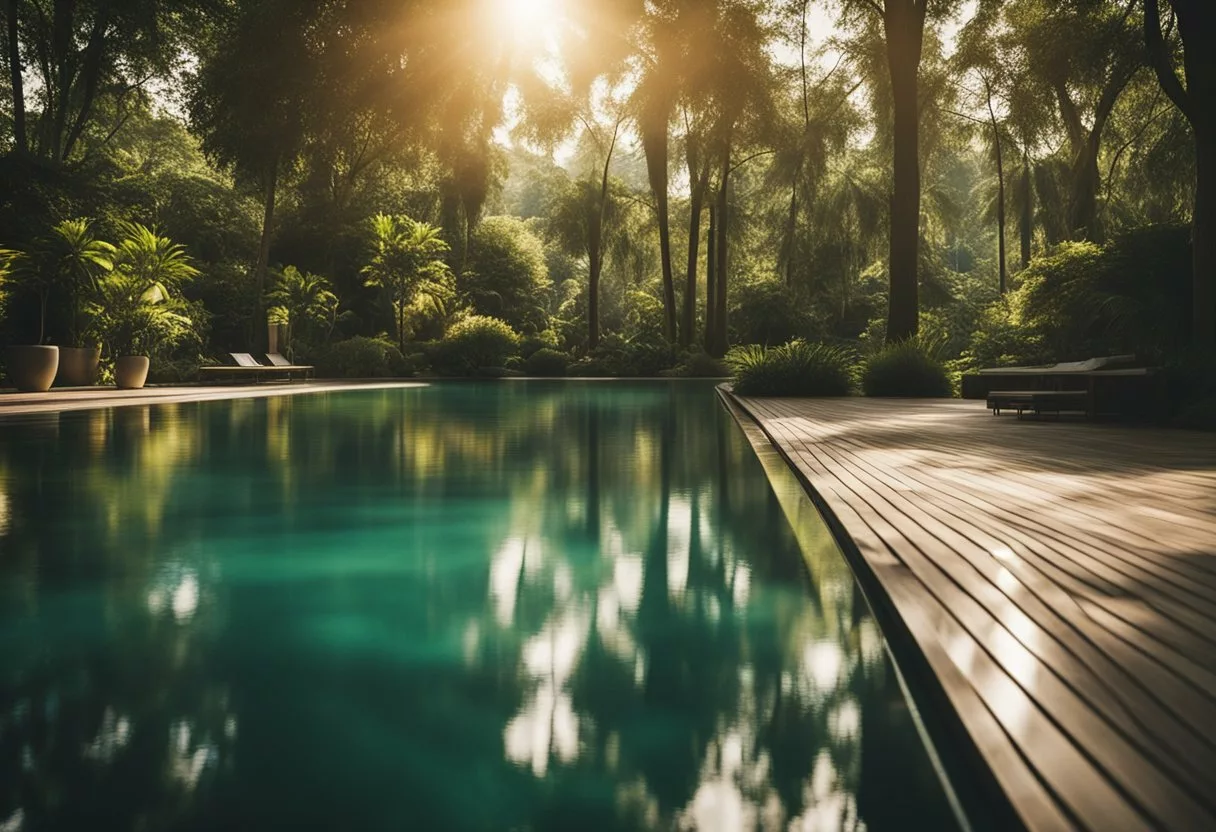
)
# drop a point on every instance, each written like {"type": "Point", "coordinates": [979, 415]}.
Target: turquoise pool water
{"type": "Point", "coordinates": [520, 605]}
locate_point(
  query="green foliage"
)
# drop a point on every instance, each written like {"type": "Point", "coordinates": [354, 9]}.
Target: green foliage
{"type": "Point", "coordinates": [546, 362]}
{"type": "Point", "coordinates": [361, 357]}
{"type": "Point", "coordinates": [137, 308]}
{"type": "Point", "coordinates": [769, 312]}
{"type": "Point", "coordinates": [506, 275]}
{"type": "Point", "coordinates": [907, 369]}
{"type": "Point", "coordinates": [1130, 296]}
{"type": "Point", "coordinates": [472, 344]}
{"type": "Point", "coordinates": [700, 365]}
{"type": "Point", "coordinates": [796, 368]}
{"type": "Point", "coordinates": [618, 356]}
{"type": "Point", "coordinates": [304, 303]}
{"type": "Point", "coordinates": [407, 266]}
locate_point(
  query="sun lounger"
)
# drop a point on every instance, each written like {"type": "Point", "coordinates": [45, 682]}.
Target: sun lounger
{"type": "Point", "coordinates": [280, 363]}
{"type": "Point", "coordinates": [246, 366]}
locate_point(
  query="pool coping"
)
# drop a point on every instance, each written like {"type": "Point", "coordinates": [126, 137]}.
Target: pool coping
{"type": "Point", "coordinates": [980, 803]}
{"type": "Point", "coordinates": [67, 399]}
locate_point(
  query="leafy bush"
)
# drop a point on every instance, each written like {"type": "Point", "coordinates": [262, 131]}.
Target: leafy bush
{"type": "Point", "coordinates": [767, 311]}
{"type": "Point", "coordinates": [507, 276]}
{"type": "Point", "coordinates": [546, 362]}
{"type": "Point", "coordinates": [529, 344]}
{"type": "Point", "coordinates": [361, 357]}
{"type": "Point", "coordinates": [474, 343]}
{"type": "Point", "coordinates": [793, 369]}
{"type": "Point", "coordinates": [1132, 295]}
{"type": "Point", "coordinates": [589, 368]}
{"type": "Point", "coordinates": [907, 369]}
{"type": "Point", "coordinates": [633, 358]}
{"type": "Point", "coordinates": [699, 365]}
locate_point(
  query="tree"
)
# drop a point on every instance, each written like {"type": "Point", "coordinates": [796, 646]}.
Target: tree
{"type": "Point", "coordinates": [507, 277]}
{"type": "Point", "coordinates": [249, 100]}
{"type": "Point", "coordinates": [1197, 30]}
{"type": "Point", "coordinates": [407, 264]}
{"type": "Point", "coordinates": [89, 59]}
{"type": "Point", "coordinates": [300, 300]}
{"type": "Point", "coordinates": [903, 28]}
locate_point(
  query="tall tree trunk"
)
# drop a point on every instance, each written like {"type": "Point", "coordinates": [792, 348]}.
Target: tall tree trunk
{"type": "Point", "coordinates": [711, 278]}
{"type": "Point", "coordinates": [90, 76]}
{"type": "Point", "coordinates": [260, 331]}
{"type": "Point", "coordinates": [655, 147]}
{"type": "Point", "coordinates": [1026, 210]}
{"type": "Point", "coordinates": [21, 141]}
{"type": "Point", "coordinates": [720, 296]}
{"type": "Point", "coordinates": [1197, 26]}
{"type": "Point", "coordinates": [791, 227]}
{"type": "Point", "coordinates": [1083, 205]}
{"type": "Point", "coordinates": [596, 248]}
{"type": "Point", "coordinates": [595, 256]}
{"type": "Point", "coordinates": [904, 24]}
{"type": "Point", "coordinates": [1000, 188]}
{"type": "Point", "coordinates": [699, 183]}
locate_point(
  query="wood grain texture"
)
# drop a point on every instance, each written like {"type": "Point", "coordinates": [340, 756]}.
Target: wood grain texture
{"type": "Point", "coordinates": [1059, 579]}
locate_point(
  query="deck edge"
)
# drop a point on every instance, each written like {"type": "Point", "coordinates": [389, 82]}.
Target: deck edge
{"type": "Point", "coordinates": [982, 802]}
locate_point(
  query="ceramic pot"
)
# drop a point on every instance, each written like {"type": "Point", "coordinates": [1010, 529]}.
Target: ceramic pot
{"type": "Point", "coordinates": [78, 366]}
{"type": "Point", "coordinates": [31, 369]}
{"type": "Point", "coordinates": [131, 371]}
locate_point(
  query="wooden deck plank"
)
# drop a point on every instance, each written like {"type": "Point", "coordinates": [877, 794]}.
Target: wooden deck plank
{"type": "Point", "coordinates": [1060, 579]}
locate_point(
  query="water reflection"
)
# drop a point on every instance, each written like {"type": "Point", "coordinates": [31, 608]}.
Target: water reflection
{"type": "Point", "coordinates": [535, 606]}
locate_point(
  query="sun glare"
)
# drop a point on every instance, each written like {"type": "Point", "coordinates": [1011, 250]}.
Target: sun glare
{"type": "Point", "coordinates": [528, 15]}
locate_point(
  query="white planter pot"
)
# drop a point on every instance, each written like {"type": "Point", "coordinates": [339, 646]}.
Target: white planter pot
{"type": "Point", "coordinates": [32, 369]}
{"type": "Point", "coordinates": [78, 366]}
{"type": "Point", "coordinates": [131, 372]}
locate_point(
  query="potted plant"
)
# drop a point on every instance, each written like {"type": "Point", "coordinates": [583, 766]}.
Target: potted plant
{"type": "Point", "coordinates": [78, 259]}
{"type": "Point", "coordinates": [136, 312]}
{"type": "Point", "coordinates": [31, 367]}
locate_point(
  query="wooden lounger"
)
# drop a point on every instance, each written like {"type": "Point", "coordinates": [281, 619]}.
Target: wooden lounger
{"type": "Point", "coordinates": [280, 363]}
{"type": "Point", "coordinates": [246, 367]}
{"type": "Point", "coordinates": [1041, 401]}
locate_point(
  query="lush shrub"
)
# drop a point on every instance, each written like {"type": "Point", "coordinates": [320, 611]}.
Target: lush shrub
{"type": "Point", "coordinates": [507, 275]}
{"type": "Point", "coordinates": [589, 368]}
{"type": "Point", "coordinates": [530, 344]}
{"type": "Point", "coordinates": [633, 358]}
{"type": "Point", "coordinates": [908, 369]}
{"type": "Point", "coordinates": [700, 365]}
{"type": "Point", "coordinates": [546, 362]}
{"type": "Point", "coordinates": [361, 357]}
{"type": "Point", "coordinates": [766, 311]}
{"type": "Point", "coordinates": [1132, 295]}
{"type": "Point", "coordinates": [793, 369]}
{"type": "Point", "coordinates": [474, 343]}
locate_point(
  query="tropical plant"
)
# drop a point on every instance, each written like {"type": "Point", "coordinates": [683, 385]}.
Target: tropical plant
{"type": "Point", "coordinates": [361, 357]}
{"type": "Point", "coordinates": [475, 343]}
{"type": "Point", "coordinates": [546, 362]}
{"type": "Point", "coordinates": [407, 266]}
{"type": "Point", "coordinates": [137, 309]}
{"type": "Point", "coordinates": [506, 275]}
{"type": "Point", "coordinates": [299, 300]}
{"type": "Point", "coordinates": [78, 258]}
{"type": "Point", "coordinates": [907, 369]}
{"type": "Point", "coordinates": [796, 368]}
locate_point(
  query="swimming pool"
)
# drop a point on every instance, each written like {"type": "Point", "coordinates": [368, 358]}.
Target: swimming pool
{"type": "Point", "coordinates": [509, 605]}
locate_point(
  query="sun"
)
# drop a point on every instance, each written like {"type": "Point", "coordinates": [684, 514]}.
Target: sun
{"type": "Point", "coordinates": [527, 16]}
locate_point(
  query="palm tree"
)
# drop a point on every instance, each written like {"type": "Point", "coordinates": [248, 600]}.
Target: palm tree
{"type": "Point", "coordinates": [80, 259]}
{"type": "Point", "coordinates": [407, 265]}
{"type": "Point", "coordinates": [299, 298]}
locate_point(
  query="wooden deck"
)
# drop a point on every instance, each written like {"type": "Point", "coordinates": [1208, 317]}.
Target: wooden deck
{"type": "Point", "coordinates": [1058, 581]}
